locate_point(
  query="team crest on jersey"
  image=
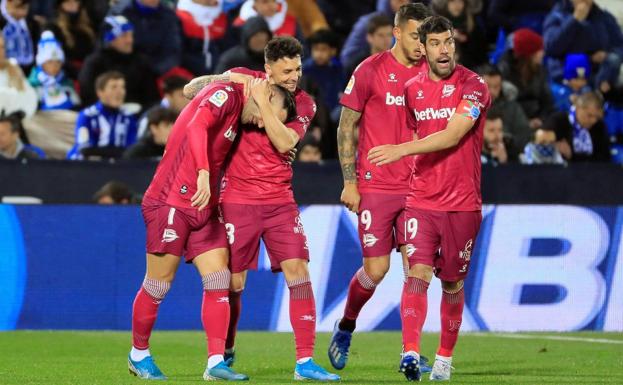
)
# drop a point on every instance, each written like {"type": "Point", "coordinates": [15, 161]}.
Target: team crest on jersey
{"type": "Point", "coordinates": [350, 85]}
{"type": "Point", "coordinates": [219, 98]}
{"type": "Point", "coordinates": [392, 78]}
{"type": "Point", "coordinates": [448, 90]}
{"type": "Point", "coordinates": [420, 94]}
{"type": "Point", "coordinates": [369, 240]}
{"type": "Point", "coordinates": [368, 175]}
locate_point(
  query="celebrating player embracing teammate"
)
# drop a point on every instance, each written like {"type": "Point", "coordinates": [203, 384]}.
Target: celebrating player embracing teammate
{"type": "Point", "coordinates": [447, 108]}
{"type": "Point", "coordinates": [373, 101]}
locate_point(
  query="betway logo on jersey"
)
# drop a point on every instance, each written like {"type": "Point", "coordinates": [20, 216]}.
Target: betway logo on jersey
{"type": "Point", "coordinates": [392, 100]}
{"type": "Point", "coordinates": [432, 114]}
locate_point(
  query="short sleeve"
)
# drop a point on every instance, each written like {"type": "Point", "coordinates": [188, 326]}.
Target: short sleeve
{"type": "Point", "coordinates": [220, 100]}
{"type": "Point", "coordinates": [356, 93]}
{"type": "Point", "coordinates": [475, 90]}
{"type": "Point", "coordinates": [305, 111]}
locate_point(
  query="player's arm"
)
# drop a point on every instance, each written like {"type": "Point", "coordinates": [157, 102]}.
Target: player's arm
{"type": "Point", "coordinates": [347, 146]}
{"type": "Point", "coordinates": [197, 84]}
{"type": "Point", "coordinates": [198, 143]}
{"type": "Point", "coordinates": [460, 123]}
{"type": "Point", "coordinates": [283, 138]}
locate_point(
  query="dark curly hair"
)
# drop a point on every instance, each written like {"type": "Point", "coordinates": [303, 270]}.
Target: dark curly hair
{"type": "Point", "coordinates": [282, 46]}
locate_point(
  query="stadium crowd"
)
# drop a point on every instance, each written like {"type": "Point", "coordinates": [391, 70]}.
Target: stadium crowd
{"type": "Point", "coordinates": [104, 79]}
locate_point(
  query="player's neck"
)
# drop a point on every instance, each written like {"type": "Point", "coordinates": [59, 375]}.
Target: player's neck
{"type": "Point", "coordinates": [400, 57]}
{"type": "Point", "coordinates": [434, 77]}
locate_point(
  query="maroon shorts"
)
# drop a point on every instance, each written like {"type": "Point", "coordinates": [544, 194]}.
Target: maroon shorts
{"type": "Point", "coordinates": [442, 239]}
{"type": "Point", "coordinates": [180, 231]}
{"type": "Point", "coordinates": [278, 225]}
{"type": "Point", "coordinates": [381, 226]}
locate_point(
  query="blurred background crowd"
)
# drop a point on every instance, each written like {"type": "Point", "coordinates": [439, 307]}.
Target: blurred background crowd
{"type": "Point", "coordinates": [104, 78]}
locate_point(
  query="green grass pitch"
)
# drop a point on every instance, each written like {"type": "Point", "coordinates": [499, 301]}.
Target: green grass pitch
{"type": "Point", "coordinates": [29, 357]}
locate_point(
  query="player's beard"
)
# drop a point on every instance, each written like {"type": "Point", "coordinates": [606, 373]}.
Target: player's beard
{"type": "Point", "coordinates": [442, 73]}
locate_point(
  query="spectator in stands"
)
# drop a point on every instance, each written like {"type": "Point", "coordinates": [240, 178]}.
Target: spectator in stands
{"type": "Point", "coordinates": [471, 42]}
{"type": "Point", "coordinates": [204, 25]}
{"type": "Point", "coordinates": [11, 145]}
{"type": "Point", "coordinates": [575, 82]}
{"type": "Point", "coordinates": [151, 146]}
{"type": "Point", "coordinates": [356, 41]}
{"type": "Point", "coordinates": [581, 133]}
{"type": "Point", "coordinates": [114, 193]}
{"type": "Point", "coordinates": [324, 68]}
{"type": "Point", "coordinates": [309, 150]}
{"type": "Point", "coordinates": [173, 88]}
{"type": "Point", "coordinates": [156, 33]}
{"type": "Point", "coordinates": [523, 67]}
{"type": "Point", "coordinates": [512, 14]}
{"type": "Point", "coordinates": [275, 12]}
{"type": "Point", "coordinates": [105, 129]}
{"type": "Point", "coordinates": [494, 149]}
{"type": "Point", "coordinates": [16, 94]}
{"type": "Point", "coordinates": [249, 53]}
{"type": "Point", "coordinates": [20, 32]}
{"type": "Point", "coordinates": [379, 37]}
{"type": "Point", "coordinates": [117, 54]}
{"type": "Point", "coordinates": [514, 120]}
{"type": "Point", "coordinates": [55, 90]}
{"type": "Point", "coordinates": [580, 26]}
{"type": "Point", "coordinates": [74, 29]}
{"type": "Point", "coordinates": [542, 149]}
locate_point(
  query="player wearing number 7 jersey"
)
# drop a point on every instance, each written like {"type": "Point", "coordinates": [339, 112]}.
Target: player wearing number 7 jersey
{"type": "Point", "coordinates": [373, 101]}
{"type": "Point", "coordinates": [447, 108]}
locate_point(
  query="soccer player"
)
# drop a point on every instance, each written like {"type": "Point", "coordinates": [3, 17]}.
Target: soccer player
{"type": "Point", "coordinates": [180, 209]}
{"type": "Point", "coordinates": [447, 107]}
{"type": "Point", "coordinates": [258, 203]}
{"type": "Point", "coordinates": [373, 102]}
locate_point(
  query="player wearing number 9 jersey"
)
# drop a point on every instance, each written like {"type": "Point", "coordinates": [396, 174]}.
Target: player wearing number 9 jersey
{"type": "Point", "coordinates": [373, 102]}
{"type": "Point", "coordinates": [447, 108]}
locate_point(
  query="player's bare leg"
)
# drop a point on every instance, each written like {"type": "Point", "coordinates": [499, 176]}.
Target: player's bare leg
{"type": "Point", "coordinates": [303, 319]}
{"type": "Point", "coordinates": [236, 287]}
{"type": "Point", "coordinates": [452, 302]}
{"type": "Point", "coordinates": [216, 278]}
{"type": "Point", "coordinates": [161, 269]}
{"type": "Point", "coordinates": [413, 307]}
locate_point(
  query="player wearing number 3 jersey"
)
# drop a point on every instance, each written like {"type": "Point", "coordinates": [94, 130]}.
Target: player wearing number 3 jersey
{"type": "Point", "coordinates": [447, 108]}
{"type": "Point", "coordinates": [373, 102]}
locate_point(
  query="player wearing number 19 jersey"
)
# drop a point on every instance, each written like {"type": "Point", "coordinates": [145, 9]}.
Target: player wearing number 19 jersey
{"type": "Point", "coordinates": [447, 108]}
{"type": "Point", "coordinates": [373, 101]}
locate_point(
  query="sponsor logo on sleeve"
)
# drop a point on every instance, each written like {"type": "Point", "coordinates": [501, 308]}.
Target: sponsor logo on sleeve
{"type": "Point", "coordinates": [230, 134]}
{"type": "Point", "coordinates": [219, 98]}
{"type": "Point", "coordinates": [350, 85]}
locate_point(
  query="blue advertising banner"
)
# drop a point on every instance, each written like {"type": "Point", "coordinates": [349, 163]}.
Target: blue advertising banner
{"type": "Point", "coordinates": [534, 267]}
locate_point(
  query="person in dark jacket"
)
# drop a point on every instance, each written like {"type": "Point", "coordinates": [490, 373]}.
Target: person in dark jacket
{"type": "Point", "coordinates": [151, 145]}
{"type": "Point", "coordinates": [156, 33]}
{"type": "Point", "coordinates": [580, 26]}
{"type": "Point", "coordinates": [523, 67]}
{"type": "Point", "coordinates": [512, 14]}
{"type": "Point", "coordinates": [117, 54]}
{"type": "Point", "coordinates": [254, 36]}
{"type": "Point", "coordinates": [581, 132]}
{"type": "Point", "coordinates": [21, 32]}
{"type": "Point", "coordinates": [74, 29]}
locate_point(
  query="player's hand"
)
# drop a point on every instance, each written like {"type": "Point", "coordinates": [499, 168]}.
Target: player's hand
{"type": "Point", "coordinates": [581, 10]}
{"type": "Point", "coordinates": [292, 155]}
{"type": "Point", "coordinates": [202, 196]}
{"type": "Point", "coordinates": [243, 79]}
{"type": "Point", "coordinates": [260, 91]}
{"type": "Point", "coordinates": [385, 154]}
{"type": "Point", "coordinates": [598, 57]}
{"type": "Point", "coordinates": [350, 197]}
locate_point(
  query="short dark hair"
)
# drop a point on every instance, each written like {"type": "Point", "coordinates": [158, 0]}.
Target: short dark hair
{"type": "Point", "coordinates": [160, 114]}
{"type": "Point", "coordinates": [406, 12]}
{"type": "Point", "coordinates": [103, 79]}
{"type": "Point", "coordinates": [434, 24]}
{"type": "Point", "coordinates": [289, 103]}
{"type": "Point", "coordinates": [309, 140]}
{"type": "Point", "coordinates": [378, 21]}
{"type": "Point", "coordinates": [489, 70]}
{"type": "Point", "coordinates": [324, 36]}
{"type": "Point", "coordinates": [282, 46]}
{"type": "Point", "coordinates": [494, 114]}
{"type": "Point", "coordinates": [118, 191]}
{"type": "Point", "coordinates": [14, 119]}
{"type": "Point", "coordinates": [174, 83]}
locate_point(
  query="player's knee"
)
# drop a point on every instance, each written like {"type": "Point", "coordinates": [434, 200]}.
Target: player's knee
{"type": "Point", "coordinates": [157, 289]}
{"type": "Point", "coordinates": [295, 269]}
{"type": "Point", "coordinates": [163, 276]}
{"type": "Point", "coordinates": [218, 280]}
{"type": "Point", "coordinates": [421, 271]}
{"type": "Point", "coordinates": [451, 287]}
{"type": "Point", "coordinates": [376, 272]}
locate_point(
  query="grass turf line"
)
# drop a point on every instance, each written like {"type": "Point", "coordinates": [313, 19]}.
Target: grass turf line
{"type": "Point", "coordinates": [61, 357]}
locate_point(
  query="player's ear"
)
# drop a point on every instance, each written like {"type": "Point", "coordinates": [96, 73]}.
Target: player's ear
{"type": "Point", "coordinates": [267, 69]}
{"type": "Point", "coordinates": [396, 32]}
